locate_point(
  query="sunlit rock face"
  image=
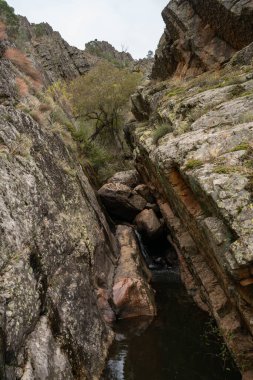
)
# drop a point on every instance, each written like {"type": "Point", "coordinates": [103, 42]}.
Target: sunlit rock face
{"type": "Point", "coordinates": [201, 35]}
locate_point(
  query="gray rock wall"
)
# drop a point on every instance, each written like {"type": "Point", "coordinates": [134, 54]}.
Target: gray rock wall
{"type": "Point", "coordinates": [56, 252]}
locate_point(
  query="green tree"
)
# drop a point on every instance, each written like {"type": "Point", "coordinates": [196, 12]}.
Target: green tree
{"type": "Point", "coordinates": [101, 96]}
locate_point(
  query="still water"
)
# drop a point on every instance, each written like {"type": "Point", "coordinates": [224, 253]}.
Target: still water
{"type": "Point", "coordinates": [179, 344]}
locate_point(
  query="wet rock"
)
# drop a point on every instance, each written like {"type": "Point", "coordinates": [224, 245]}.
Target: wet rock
{"type": "Point", "coordinates": [121, 201]}
{"type": "Point", "coordinates": [132, 294]}
{"type": "Point", "coordinates": [130, 178]}
{"type": "Point", "coordinates": [152, 206]}
{"type": "Point", "coordinates": [148, 224]}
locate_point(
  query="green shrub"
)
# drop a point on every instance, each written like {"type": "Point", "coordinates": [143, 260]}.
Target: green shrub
{"type": "Point", "coordinates": [161, 131]}
{"type": "Point", "coordinates": [241, 146]}
{"type": "Point", "coordinates": [39, 29]}
{"type": "Point", "coordinates": [225, 169]}
{"type": "Point", "coordinates": [192, 164]}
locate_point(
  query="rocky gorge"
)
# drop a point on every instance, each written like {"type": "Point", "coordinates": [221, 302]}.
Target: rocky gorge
{"type": "Point", "coordinates": [70, 263]}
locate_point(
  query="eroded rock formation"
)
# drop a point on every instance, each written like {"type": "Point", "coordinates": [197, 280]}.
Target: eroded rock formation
{"type": "Point", "coordinates": [57, 251]}
{"type": "Point", "coordinates": [132, 294]}
{"type": "Point", "coordinates": [201, 35]}
{"type": "Point", "coordinates": [193, 146]}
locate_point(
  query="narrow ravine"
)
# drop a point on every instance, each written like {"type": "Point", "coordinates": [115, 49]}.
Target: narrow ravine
{"type": "Point", "coordinates": [180, 343]}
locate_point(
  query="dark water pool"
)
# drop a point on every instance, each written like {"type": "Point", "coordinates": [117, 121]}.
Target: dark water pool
{"type": "Point", "coordinates": [179, 344]}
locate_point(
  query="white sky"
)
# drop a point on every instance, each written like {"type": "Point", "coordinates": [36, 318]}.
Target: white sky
{"type": "Point", "coordinates": [135, 24]}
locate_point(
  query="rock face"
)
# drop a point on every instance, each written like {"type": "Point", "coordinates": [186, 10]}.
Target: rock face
{"type": "Point", "coordinates": [53, 56]}
{"type": "Point", "coordinates": [132, 294]}
{"type": "Point", "coordinates": [201, 166]}
{"type": "Point", "coordinates": [57, 251]}
{"type": "Point", "coordinates": [201, 35]}
{"type": "Point", "coordinates": [104, 49]}
{"type": "Point", "coordinates": [129, 178]}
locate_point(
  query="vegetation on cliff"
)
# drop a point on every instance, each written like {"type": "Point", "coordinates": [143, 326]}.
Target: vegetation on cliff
{"type": "Point", "coordinates": [7, 15]}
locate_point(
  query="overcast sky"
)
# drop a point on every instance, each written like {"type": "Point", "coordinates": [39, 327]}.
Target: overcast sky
{"type": "Point", "coordinates": [134, 24]}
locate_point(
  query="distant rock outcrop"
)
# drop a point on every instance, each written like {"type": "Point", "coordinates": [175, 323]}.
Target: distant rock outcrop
{"type": "Point", "coordinates": [104, 49]}
{"type": "Point", "coordinates": [53, 56]}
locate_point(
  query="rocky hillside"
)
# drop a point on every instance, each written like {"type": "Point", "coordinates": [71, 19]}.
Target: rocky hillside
{"type": "Point", "coordinates": [56, 248]}
{"type": "Point", "coordinates": [193, 143]}
{"type": "Point", "coordinates": [53, 56]}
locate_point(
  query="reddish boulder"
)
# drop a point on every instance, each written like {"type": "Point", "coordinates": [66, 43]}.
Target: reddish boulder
{"type": "Point", "coordinates": [132, 294]}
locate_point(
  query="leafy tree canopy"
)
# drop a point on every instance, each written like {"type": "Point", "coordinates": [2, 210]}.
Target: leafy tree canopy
{"type": "Point", "coordinates": [102, 94]}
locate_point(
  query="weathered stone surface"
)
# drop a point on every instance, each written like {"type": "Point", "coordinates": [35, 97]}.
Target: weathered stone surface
{"type": "Point", "coordinates": [104, 49]}
{"type": "Point", "coordinates": [202, 168]}
{"type": "Point", "coordinates": [53, 56]}
{"type": "Point", "coordinates": [132, 294]}
{"type": "Point", "coordinates": [148, 224]}
{"type": "Point", "coordinates": [57, 252]}
{"type": "Point", "coordinates": [243, 57]}
{"type": "Point", "coordinates": [121, 201]}
{"type": "Point", "coordinates": [144, 191]}
{"type": "Point", "coordinates": [201, 35]}
{"type": "Point", "coordinates": [46, 358]}
{"type": "Point", "coordinates": [130, 178]}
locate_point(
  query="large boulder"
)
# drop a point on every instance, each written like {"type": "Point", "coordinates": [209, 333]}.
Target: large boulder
{"type": "Point", "coordinates": [129, 178]}
{"type": "Point", "coordinates": [132, 294]}
{"type": "Point", "coordinates": [144, 191]}
{"type": "Point", "coordinates": [121, 201]}
{"type": "Point", "coordinates": [148, 224]}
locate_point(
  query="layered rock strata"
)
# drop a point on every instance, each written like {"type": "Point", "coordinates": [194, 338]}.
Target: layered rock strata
{"type": "Point", "coordinates": [201, 35]}
{"type": "Point", "coordinates": [193, 148]}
